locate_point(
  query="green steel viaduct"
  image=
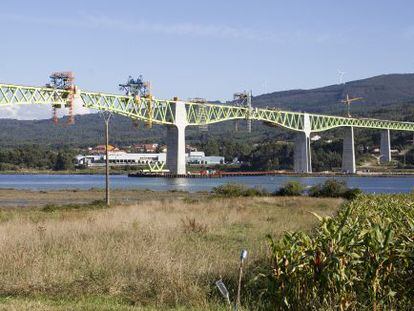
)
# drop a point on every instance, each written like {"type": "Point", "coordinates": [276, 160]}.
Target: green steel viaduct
{"type": "Point", "coordinates": [177, 115]}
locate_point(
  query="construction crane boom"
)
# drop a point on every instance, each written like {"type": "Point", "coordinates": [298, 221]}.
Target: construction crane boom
{"type": "Point", "coordinates": [347, 101]}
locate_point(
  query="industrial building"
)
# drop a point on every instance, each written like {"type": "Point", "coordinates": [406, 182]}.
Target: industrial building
{"type": "Point", "coordinates": [122, 158]}
{"type": "Point", "coordinates": [119, 158]}
{"type": "Point", "coordinates": [198, 157]}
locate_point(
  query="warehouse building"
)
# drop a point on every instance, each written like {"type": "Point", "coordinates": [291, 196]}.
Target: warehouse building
{"type": "Point", "coordinates": [123, 158]}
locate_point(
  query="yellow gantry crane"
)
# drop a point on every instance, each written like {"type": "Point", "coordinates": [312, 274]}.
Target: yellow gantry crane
{"type": "Point", "coordinates": [347, 101]}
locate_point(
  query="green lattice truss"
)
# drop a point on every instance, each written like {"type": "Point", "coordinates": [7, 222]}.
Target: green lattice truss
{"type": "Point", "coordinates": [162, 111]}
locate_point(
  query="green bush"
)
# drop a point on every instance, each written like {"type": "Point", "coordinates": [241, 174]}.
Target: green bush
{"type": "Point", "coordinates": [334, 189]}
{"type": "Point", "coordinates": [351, 194]}
{"type": "Point", "coordinates": [291, 188]}
{"type": "Point", "coordinates": [237, 190]}
{"type": "Point", "coordinates": [362, 259]}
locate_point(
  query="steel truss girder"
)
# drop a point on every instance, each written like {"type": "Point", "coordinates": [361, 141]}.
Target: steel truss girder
{"type": "Point", "coordinates": [15, 94]}
{"type": "Point", "coordinates": [162, 111]}
{"type": "Point", "coordinates": [201, 114]}
{"type": "Point", "coordinates": [324, 122]}
{"type": "Point", "coordinates": [150, 110]}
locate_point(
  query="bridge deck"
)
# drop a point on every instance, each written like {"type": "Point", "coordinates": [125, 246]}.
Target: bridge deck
{"type": "Point", "coordinates": [162, 112]}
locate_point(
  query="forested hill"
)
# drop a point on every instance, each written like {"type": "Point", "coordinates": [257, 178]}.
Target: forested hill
{"type": "Point", "coordinates": [378, 93]}
{"type": "Point", "coordinates": [386, 96]}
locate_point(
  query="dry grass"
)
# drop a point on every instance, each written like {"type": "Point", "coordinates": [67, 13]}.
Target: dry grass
{"type": "Point", "coordinates": [159, 253]}
{"type": "Point", "coordinates": [10, 198]}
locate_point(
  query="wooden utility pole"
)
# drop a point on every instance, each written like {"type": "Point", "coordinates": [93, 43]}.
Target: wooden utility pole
{"type": "Point", "coordinates": [107, 116]}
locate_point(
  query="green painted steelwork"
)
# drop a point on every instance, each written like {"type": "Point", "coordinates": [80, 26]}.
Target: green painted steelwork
{"type": "Point", "coordinates": [162, 111]}
{"type": "Point", "coordinates": [213, 113]}
{"type": "Point", "coordinates": [155, 167]}
{"type": "Point", "coordinates": [324, 122]}
{"type": "Point", "coordinates": [149, 110]}
{"type": "Point", "coordinates": [16, 94]}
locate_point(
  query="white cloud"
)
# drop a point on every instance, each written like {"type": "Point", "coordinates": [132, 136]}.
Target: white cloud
{"type": "Point", "coordinates": [10, 112]}
{"type": "Point", "coordinates": [25, 112]}
{"type": "Point", "coordinates": [103, 22]}
{"type": "Point", "coordinates": [30, 112]}
{"type": "Point", "coordinates": [177, 29]}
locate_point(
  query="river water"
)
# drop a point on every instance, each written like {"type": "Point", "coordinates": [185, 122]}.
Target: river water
{"type": "Point", "coordinates": [271, 183]}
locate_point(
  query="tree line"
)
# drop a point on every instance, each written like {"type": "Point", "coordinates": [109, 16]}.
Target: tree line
{"type": "Point", "coordinates": [36, 157]}
{"type": "Point", "coordinates": [273, 155]}
{"type": "Point", "coordinates": [278, 155]}
{"type": "Point", "coordinates": [268, 155]}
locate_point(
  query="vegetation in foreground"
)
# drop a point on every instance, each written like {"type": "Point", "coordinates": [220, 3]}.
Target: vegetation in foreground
{"type": "Point", "coordinates": [153, 255]}
{"type": "Point", "coordinates": [167, 254]}
{"type": "Point", "coordinates": [362, 259]}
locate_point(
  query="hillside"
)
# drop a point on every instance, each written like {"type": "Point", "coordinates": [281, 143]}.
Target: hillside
{"type": "Point", "coordinates": [378, 93]}
{"type": "Point", "coordinates": [386, 96]}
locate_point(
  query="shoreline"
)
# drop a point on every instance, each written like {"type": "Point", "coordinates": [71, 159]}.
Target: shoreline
{"type": "Point", "coordinates": [276, 173]}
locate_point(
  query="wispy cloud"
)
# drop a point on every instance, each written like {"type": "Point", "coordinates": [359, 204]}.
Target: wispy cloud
{"type": "Point", "coordinates": [9, 112]}
{"type": "Point", "coordinates": [178, 29]}
{"type": "Point", "coordinates": [30, 112]}
{"type": "Point", "coordinates": [104, 22]}
{"type": "Point", "coordinates": [25, 112]}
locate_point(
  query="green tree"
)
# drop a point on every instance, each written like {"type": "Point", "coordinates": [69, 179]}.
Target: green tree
{"type": "Point", "coordinates": [211, 147]}
{"type": "Point", "coordinates": [271, 156]}
{"type": "Point", "coordinates": [64, 161]}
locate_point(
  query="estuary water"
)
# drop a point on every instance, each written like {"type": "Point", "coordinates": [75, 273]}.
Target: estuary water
{"type": "Point", "coordinates": [372, 184]}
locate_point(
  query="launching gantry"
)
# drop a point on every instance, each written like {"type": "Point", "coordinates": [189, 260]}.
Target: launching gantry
{"type": "Point", "coordinates": [243, 99]}
{"type": "Point", "coordinates": [63, 80]}
{"type": "Point", "coordinates": [138, 88]}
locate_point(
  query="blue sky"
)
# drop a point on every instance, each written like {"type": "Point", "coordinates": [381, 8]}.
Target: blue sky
{"type": "Point", "coordinates": [205, 49]}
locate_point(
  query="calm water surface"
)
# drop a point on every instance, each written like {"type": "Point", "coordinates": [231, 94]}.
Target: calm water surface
{"type": "Point", "coordinates": [271, 183]}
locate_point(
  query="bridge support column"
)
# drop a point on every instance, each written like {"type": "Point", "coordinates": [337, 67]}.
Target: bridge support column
{"type": "Point", "coordinates": [385, 148]}
{"type": "Point", "coordinates": [348, 152]}
{"type": "Point", "coordinates": [302, 154]}
{"type": "Point", "coordinates": [302, 162]}
{"type": "Point", "coordinates": [176, 141]}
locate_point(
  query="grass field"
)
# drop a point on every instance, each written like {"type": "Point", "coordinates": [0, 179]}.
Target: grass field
{"type": "Point", "coordinates": [163, 251]}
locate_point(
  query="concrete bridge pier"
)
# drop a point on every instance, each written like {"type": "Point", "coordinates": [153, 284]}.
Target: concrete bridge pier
{"type": "Point", "coordinates": [302, 153]}
{"type": "Point", "coordinates": [348, 152]}
{"type": "Point", "coordinates": [385, 148]}
{"type": "Point", "coordinates": [176, 141]}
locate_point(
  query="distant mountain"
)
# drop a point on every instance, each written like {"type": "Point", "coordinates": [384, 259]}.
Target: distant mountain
{"type": "Point", "coordinates": [378, 93]}
{"type": "Point", "coordinates": [386, 96]}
